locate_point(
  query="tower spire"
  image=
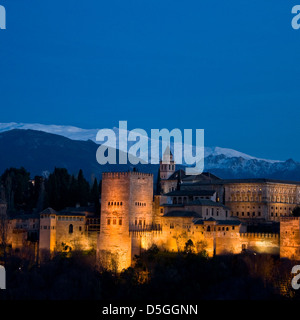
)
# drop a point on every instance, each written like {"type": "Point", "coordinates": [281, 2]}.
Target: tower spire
{"type": "Point", "coordinates": [167, 164]}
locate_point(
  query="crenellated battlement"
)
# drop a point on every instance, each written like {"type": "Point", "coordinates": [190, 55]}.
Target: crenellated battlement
{"type": "Point", "coordinates": [118, 175]}
{"type": "Point", "coordinates": [259, 235]}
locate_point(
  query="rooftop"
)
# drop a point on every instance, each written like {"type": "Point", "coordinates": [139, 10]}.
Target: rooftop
{"type": "Point", "coordinates": [49, 211]}
{"type": "Point", "coordinates": [190, 193]}
{"type": "Point", "coordinates": [177, 174]}
{"type": "Point", "coordinates": [228, 222]}
{"type": "Point", "coordinates": [65, 212]}
{"type": "Point", "coordinates": [231, 181]}
{"type": "Point", "coordinates": [199, 202]}
{"type": "Point", "coordinates": [204, 176]}
{"type": "Point", "coordinates": [182, 213]}
{"type": "Point", "coordinates": [68, 213]}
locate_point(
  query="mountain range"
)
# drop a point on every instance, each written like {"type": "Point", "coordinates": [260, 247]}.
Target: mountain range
{"type": "Point", "coordinates": [41, 148]}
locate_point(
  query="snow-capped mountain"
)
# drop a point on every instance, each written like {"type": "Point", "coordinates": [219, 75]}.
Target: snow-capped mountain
{"type": "Point", "coordinates": [239, 167]}
{"type": "Point", "coordinates": [70, 132]}
{"type": "Point", "coordinates": [76, 133]}
{"type": "Point", "coordinates": [40, 152]}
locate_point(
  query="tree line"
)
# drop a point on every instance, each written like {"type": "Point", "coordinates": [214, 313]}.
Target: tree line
{"type": "Point", "coordinates": [155, 275]}
{"type": "Point", "coordinates": [58, 191]}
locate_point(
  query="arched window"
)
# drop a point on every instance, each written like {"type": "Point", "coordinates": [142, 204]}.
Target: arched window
{"type": "Point", "coordinates": [70, 228]}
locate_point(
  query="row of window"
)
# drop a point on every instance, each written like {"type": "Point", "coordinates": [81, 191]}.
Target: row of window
{"type": "Point", "coordinates": [167, 167]}
{"type": "Point", "coordinates": [115, 203]}
{"type": "Point", "coordinates": [120, 203]}
{"type": "Point", "coordinates": [249, 198]}
{"type": "Point", "coordinates": [183, 200]}
{"type": "Point", "coordinates": [219, 228]}
{"type": "Point", "coordinates": [213, 212]}
{"type": "Point", "coordinates": [249, 214]}
{"type": "Point", "coordinates": [246, 198]}
{"type": "Point", "coordinates": [69, 219]}
{"type": "Point", "coordinates": [247, 207]}
{"type": "Point", "coordinates": [140, 204]}
{"type": "Point", "coordinates": [184, 226]}
{"type": "Point", "coordinates": [63, 218]}
{"type": "Point", "coordinates": [114, 222]}
{"type": "Point", "coordinates": [47, 227]}
{"type": "Point", "coordinates": [258, 214]}
{"type": "Point", "coordinates": [47, 216]}
{"type": "Point", "coordinates": [277, 214]}
{"type": "Point", "coordinates": [71, 228]}
{"type": "Point", "coordinates": [282, 208]}
{"type": "Point", "coordinates": [172, 226]}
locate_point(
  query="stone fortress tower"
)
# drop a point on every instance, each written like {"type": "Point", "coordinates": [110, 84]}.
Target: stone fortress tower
{"type": "Point", "coordinates": [48, 230]}
{"type": "Point", "coordinates": [126, 205]}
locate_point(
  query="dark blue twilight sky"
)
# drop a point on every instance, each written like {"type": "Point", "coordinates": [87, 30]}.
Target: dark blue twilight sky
{"type": "Point", "coordinates": [230, 67]}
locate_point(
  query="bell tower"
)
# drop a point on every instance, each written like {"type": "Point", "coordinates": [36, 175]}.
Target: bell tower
{"type": "Point", "coordinates": [167, 164]}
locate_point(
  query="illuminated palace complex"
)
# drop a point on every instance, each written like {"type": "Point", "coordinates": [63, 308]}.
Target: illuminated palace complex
{"type": "Point", "coordinates": [219, 216]}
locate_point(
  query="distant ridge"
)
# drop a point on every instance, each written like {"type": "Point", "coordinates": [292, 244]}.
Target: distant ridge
{"type": "Point", "coordinates": [76, 133]}
{"type": "Point", "coordinates": [40, 152]}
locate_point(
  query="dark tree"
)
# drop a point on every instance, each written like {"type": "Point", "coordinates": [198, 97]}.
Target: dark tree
{"type": "Point", "coordinates": [158, 183]}
{"type": "Point", "coordinates": [95, 196]}
{"type": "Point", "coordinates": [83, 189]}
{"type": "Point", "coordinates": [179, 180]}
{"type": "Point", "coordinates": [58, 189]}
{"type": "Point", "coordinates": [189, 246]}
{"type": "Point", "coordinates": [18, 189]}
{"type": "Point", "coordinates": [296, 212]}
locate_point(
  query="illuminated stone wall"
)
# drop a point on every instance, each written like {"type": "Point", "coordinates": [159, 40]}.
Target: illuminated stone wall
{"type": "Point", "coordinates": [290, 238]}
{"type": "Point", "coordinates": [65, 233]}
{"type": "Point", "coordinates": [176, 231]}
{"type": "Point", "coordinates": [260, 242]}
{"type": "Point", "coordinates": [126, 203]}
{"type": "Point", "coordinates": [29, 225]}
{"type": "Point", "coordinates": [70, 232]}
{"type": "Point", "coordinates": [47, 240]}
{"type": "Point", "coordinates": [215, 238]}
{"type": "Point", "coordinates": [18, 238]}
